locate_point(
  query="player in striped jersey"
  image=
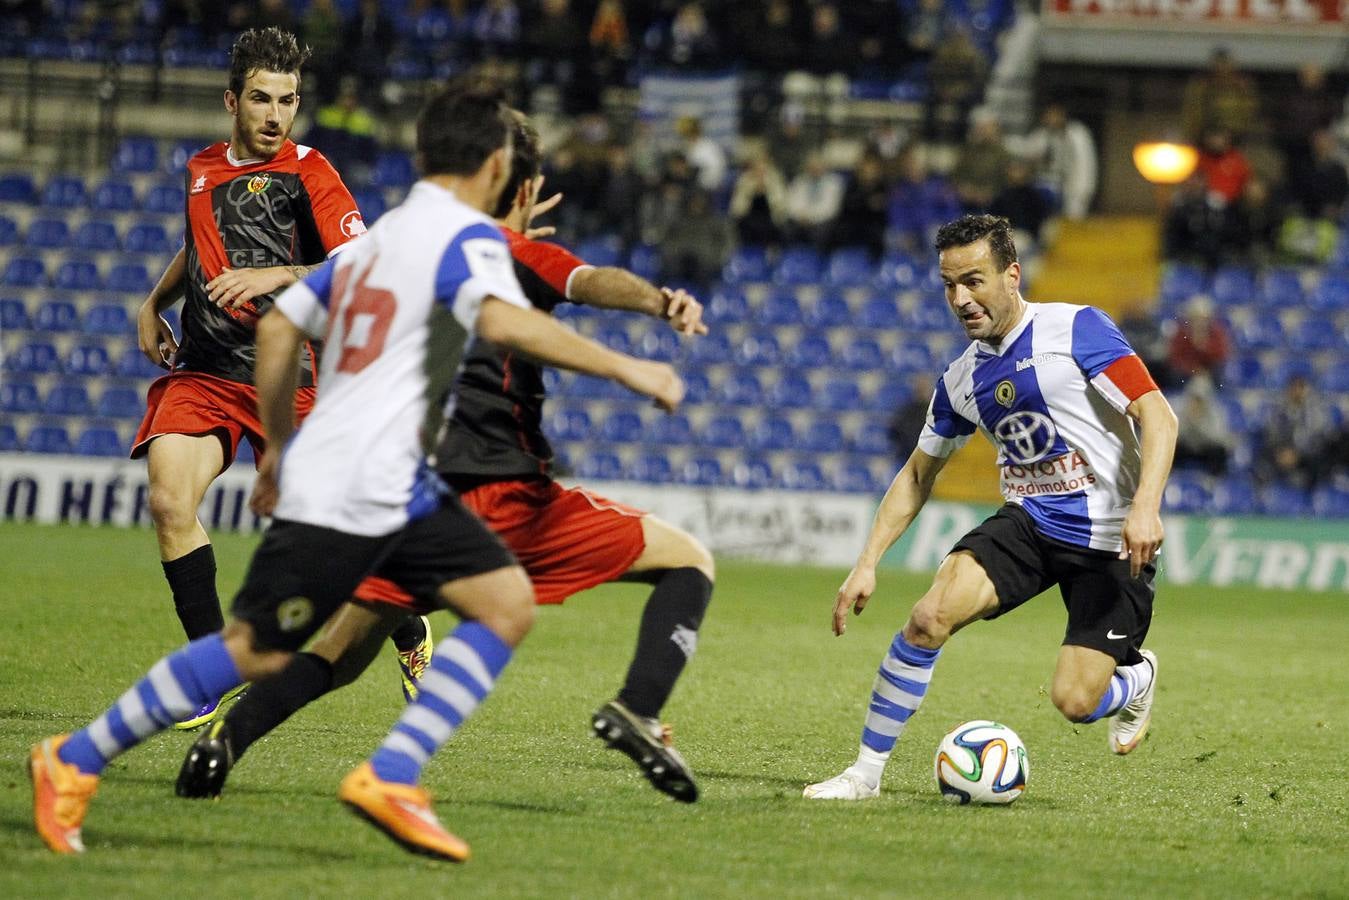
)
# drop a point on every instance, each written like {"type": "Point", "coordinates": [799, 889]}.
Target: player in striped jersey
{"type": "Point", "coordinates": [1058, 391]}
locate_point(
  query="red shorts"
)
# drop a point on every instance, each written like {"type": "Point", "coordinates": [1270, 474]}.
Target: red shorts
{"type": "Point", "coordinates": [196, 403]}
{"type": "Point", "coordinates": [568, 540]}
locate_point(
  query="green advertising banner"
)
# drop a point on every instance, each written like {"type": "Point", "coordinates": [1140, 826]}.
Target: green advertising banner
{"type": "Point", "coordinates": [1291, 554]}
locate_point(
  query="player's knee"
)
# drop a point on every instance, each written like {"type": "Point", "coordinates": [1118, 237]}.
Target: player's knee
{"type": "Point", "coordinates": [171, 508]}
{"type": "Point", "coordinates": [927, 627]}
{"type": "Point", "coordinates": [512, 616]}
{"type": "Point", "coordinates": [1076, 704]}
{"type": "Point", "coordinates": [252, 661]}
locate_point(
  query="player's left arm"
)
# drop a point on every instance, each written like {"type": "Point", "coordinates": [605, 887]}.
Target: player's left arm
{"type": "Point", "coordinates": [610, 287]}
{"type": "Point", "coordinates": [1143, 533]}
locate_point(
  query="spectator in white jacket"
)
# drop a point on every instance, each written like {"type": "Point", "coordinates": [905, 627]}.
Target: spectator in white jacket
{"type": "Point", "coordinates": [814, 199]}
{"type": "Point", "coordinates": [1065, 154]}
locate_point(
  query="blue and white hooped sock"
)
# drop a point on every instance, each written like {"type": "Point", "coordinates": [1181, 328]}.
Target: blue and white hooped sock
{"type": "Point", "coordinates": [895, 696]}
{"type": "Point", "coordinates": [1127, 683]}
{"type": "Point", "coordinates": [462, 672]}
{"type": "Point", "coordinates": [175, 687]}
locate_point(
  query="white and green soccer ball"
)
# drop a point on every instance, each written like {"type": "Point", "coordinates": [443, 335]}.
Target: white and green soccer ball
{"type": "Point", "coordinates": [981, 762]}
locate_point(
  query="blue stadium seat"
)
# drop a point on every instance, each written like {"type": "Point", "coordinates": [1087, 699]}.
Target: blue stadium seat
{"type": "Point", "coordinates": [64, 192]}
{"type": "Point", "coordinates": [742, 388]}
{"type": "Point", "coordinates": [90, 360]}
{"type": "Point", "coordinates": [1187, 492]}
{"type": "Point", "coordinates": [888, 396]}
{"type": "Point", "coordinates": [77, 275]}
{"type": "Point", "coordinates": [661, 344]}
{"type": "Point", "coordinates": [175, 161]}
{"type": "Point", "coordinates": [811, 352]}
{"type": "Point", "coordinates": [899, 273]}
{"type": "Point", "coordinates": [48, 439]}
{"type": "Point", "coordinates": [9, 438]}
{"type": "Point", "coordinates": [704, 471]}
{"type": "Point", "coordinates": [1235, 497]}
{"type": "Point", "coordinates": [1335, 379]}
{"type": "Point", "coordinates": [792, 390]}
{"type": "Point", "coordinates": [134, 364]}
{"type": "Point", "coordinates": [587, 387]}
{"type": "Point", "coordinates": [96, 235]}
{"type": "Point", "coordinates": [711, 349]}
{"type": "Point", "coordinates": [697, 388]}
{"type": "Point", "coordinates": [644, 260]}
{"type": "Point", "coordinates": [371, 203]}
{"type": "Point", "coordinates": [9, 232]}
{"type": "Point", "coordinates": [747, 264]}
{"type": "Point", "coordinates": [18, 187]}
{"type": "Point", "coordinates": [48, 234]}
{"type": "Point", "coordinates": [856, 478]}
{"type": "Point", "coordinates": [1180, 282]}
{"type": "Point", "coordinates": [781, 308]}
{"type": "Point", "coordinates": [165, 199]}
{"type": "Point", "coordinates": [1281, 289]}
{"type": "Point", "coordinates": [130, 278]}
{"type": "Point", "coordinates": [120, 403]}
{"type": "Point", "coordinates": [1233, 286]}
{"type": "Point", "coordinates": [601, 465]}
{"type": "Point", "coordinates": [108, 318]}
{"type": "Point", "coordinates": [803, 476]}
{"type": "Point", "coordinates": [724, 431]}
{"type": "Point", "coordinates": [759, 350]}
{"type": "Point", "coordinates": [1331, 294]}
{"type": "Point", "coordinates": [727, 305]}
{"type": "Point", "coordinates": [881, 312]}
{"type": "Point", "coordinates": [136, 153]}
{"type": "Point", "coordinates": [1289, 368]}
{"type": "Point", "coordinates": [651, 468]}
{"type": "Point", "coordinates": [34, 358]}
{"type": "Point", "coordinates": [393, 168]}
{"type": "Point", "coordinates": [754, 474]}
{"type": "Point", "coordinates": [100, 441]}
{"type": "Point", "coordinates": [849, 267]}
{"type": "Point", "coordinates": [56, 315]}
{"type": "Point", "coordinates": [1330, 502]}
{"type": "Point", "coordinates": [114, 194]}
{"type": "Point", "coordinates": [673, 430]}
{"type": "Point", "coordinates": [601, 251]}
{"type": "Point", "coordinates": [773, 433]}
{"type": "Point", "coordinates": [862, 355]}
{"type": "Point", "coordinates": [873, 439]}
{"type": "Point", "coordinates": [570, 425]}
{"type": "Point", "coordinates": [798, 266]}
{"type": "Point", "coordinates": [1285, 500]}
{"type": "Point", "coordinates": [829, 311]}
{"type": "Point", "coordinates": [615, 337]}
{"type": "Point", "coordinates": [1260, 331]}
{"type": "Point", "coordinates": [1313, 335]}
{"type": "Point", "coordinates": [68, 399]}
{"type": "Point", "coordinates": [823, 436]}
{"type": "Point", "coordinates": [840, 395]}
{"type": "Point", "coordinates": [18, 397]}
{"type": "Point", "coordinates": [1246, 372]}
{"type": "Point", "coordinates": [622, 428]}
{"type": "Point", "coordinates": [13, 315]}
{"type": "Point", "coordinates": [147, 237]}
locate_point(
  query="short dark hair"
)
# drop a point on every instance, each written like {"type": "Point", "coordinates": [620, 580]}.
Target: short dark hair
{"type": "Point", "coordinates": [265, 50]}
{"type": "Point", "coordinates": [460, 126]}
{"type": "Point", "coordinates": [524, 160]}
{"type": "Point", "coordinates": [971, 228]}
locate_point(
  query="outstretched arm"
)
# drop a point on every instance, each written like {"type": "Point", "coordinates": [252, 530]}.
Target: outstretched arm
{"type": "Point", "coordinates": [906, 496]}
{"type": "Point", "coordinates": [1143, 525]}
{"type": "Point", "coordinates": [610, 287]}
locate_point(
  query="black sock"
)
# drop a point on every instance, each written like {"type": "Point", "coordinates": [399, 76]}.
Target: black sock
{"type": "Point", "coordinates": [668, 637]}
{"type": "Point", "coordinates": [192, 580]}
{"type": "Point", "coordinates": [273, 700]}
{"type": "Point", "coordinates": [409, 633]}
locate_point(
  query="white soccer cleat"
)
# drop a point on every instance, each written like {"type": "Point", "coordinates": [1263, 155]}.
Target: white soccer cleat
{"type": "Point", "coordinates": [1130, 725]}
{"type": "Point", "coordinates": [847, 786]}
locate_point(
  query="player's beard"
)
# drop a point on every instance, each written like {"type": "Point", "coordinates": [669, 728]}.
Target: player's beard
{"type": "Point", "coordinates": [254, 145]}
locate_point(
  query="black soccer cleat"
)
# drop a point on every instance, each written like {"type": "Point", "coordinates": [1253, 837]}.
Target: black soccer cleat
{"type": "Point", "coordinates": [646, 742]}
{"type": "Point", "coordinates": [207, 764]}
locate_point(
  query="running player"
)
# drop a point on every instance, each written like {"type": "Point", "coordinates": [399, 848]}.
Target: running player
{"type": "Point", "coordinates": [496, 457]}
{"type": "Point", "coordinates": [262, 212]}
{"type": "Point", "coordinates": [1058, 391]}
{"type": "Point", "coordinates": [354, 494]}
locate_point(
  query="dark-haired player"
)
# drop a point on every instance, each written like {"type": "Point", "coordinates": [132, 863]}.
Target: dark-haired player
{"type": "Point", "coordinates": [1058, 391]}
{"type": "Point", "coordinates": [262, 212]}
{"type": "Point", "coordinates": [495, 455]}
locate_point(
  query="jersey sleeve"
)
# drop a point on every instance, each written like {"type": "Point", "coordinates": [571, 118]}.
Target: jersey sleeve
{"type": "Point", "coordinates": [305, 303]}
{"type": "Point", "coordinates": [554, 264]}
{"type": "Point", "coordinates": [336, 215]}
{"type": "Point", "coordinates": [476, 265]}
{"type": "Point", "coordinates": [946, 430]}
{"type": "Point", "coordinates": [1109, 362]}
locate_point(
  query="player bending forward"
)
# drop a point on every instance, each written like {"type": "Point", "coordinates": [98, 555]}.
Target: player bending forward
{"type": "Point", "coordinates": [494, 454]}
{"type": "Point", "coordinates": [353, 494]}
{"type": "Point", "coordinates": [1055, 388]}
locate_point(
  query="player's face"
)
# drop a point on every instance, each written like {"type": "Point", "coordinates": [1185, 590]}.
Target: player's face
{"type": "Point", "coordinates": [264, 112]}
{"type": "Point", "coordinates": [983, 298]}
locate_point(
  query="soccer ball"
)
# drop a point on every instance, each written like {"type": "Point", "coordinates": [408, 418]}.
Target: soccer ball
{"type": "Point", "coordinates": [981, 762]}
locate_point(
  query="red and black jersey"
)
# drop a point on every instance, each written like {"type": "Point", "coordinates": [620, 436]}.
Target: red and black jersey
{"type": "Point", "coordinates": [496, 432]}
{"type": "Point", "coordinates": [292, 209]}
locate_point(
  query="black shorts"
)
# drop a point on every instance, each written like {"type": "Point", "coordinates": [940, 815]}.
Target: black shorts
{"type": "Point", "coordinates": [302, 573]}
{"type": "Point", "coordinates": [1108, 610]}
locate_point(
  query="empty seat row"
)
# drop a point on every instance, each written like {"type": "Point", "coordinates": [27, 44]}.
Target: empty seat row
{"type": "Point", "coordinates": [115, 193]}
{"type": "Point", "coordinates": [94, 440]}
{"type": "Point", "coordinates": [93, 235]}
{"type": "Point", "coordinates": [85, 359]}
{"type": "Point", "coordinates": [709, 471]}
{"type": "Point", "coordinates": [77, 274]}
{"type": "Point", "coordinates": [56, 316]}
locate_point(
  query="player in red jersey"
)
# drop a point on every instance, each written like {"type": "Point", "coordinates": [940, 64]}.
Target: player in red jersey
{"type": "Point", "coordinates": [262, 211]}
{"type": "Point", "coordinates": [495, 455]}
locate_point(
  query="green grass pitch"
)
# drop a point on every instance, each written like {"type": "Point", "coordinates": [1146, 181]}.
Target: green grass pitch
{"type": "Point", "coordinates": [1239, 791]}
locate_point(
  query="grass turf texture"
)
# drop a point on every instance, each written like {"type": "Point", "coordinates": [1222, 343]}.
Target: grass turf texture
{"type": "Point", "coordinates": [1239, 791]}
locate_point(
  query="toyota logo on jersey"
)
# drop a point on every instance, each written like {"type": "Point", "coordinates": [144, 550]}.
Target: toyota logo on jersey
{"type": "Point", "coordinates": [1025, 437]}
{"type": "Point", "coordinates": [353, 224]}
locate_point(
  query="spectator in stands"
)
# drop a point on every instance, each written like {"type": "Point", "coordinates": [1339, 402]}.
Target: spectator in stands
{"type": "Point", "coordinates": [1255, 224]}
{"type": "Point", "coordinates": [981, 168]}
{"type": "Point", "coordinates": [1195, 225]}
{"type": "Point", "coordinates": [620, 195]}
{"type": "Point", "coordinates": [1310, 107]}
{"type": "Point", "coordinates": [321, 28]}
{"type": "Point", "coordinates": [862, 213]}
{"type": "Point", "coordinates": [879, 25]}
{"type": "Point", "coordinates": [1205, 442]}
{"type": "Point", "coordinates": [369, 37]}
{"type": "Point", "coordinates": [1295, 437]}
{"type": "Point", "coordinates": [27, 14]}
{"type": "Point", "coordinates": [907, 423]}
{"type": "Point", "coordinates": [557, 47]}
{"type": "Point", "coordinates": [691, 42]}
{"type": "Point", "coordinates": [610, 43]}
{"type": "Point", "coordinates": [1220, 98]}
{"type": "Point", "coordinates": [777, 46]}
{"type": "Point", "coordinates": [1150, 341]}
{"type": "Point", "coordinates": [697, 243]}
{"type": "Point", "coordinates": [566, 176]}
{"type": "Point", "coordinates": [1024, 205]}
{"type": "Point", "coordinates": [956, 74]}
{"type": "Point", "coordinates": [759, 203]}
{"type": "Point", "coordinates": [919, 198]}
{"type": "Point", "coordinates": [831, 48]}
{"type": "Point", "coordinates": [1065, 158]}
{"type": "Point", "coordinates": [791, 146]}
{"type": "Point", "coordinates": [497, 28]}
{"type": "Point", "coordinates": [665, 200]}
{"type": "Point", "coordinates": [1201, 343]}
{"type": "Point", "coordinates": [704, 154]}
{"type": "Point", "coordinates": [925, 29]}
{"type": "Point", "coordinates": [345, 130]}
{"type": "Point", "coordinates": [1321, 185]}
{"type": "Point", "coordinates": [263, 14]}
{"type": "Point", "coordinates": [814, 198]}
{"type": "Point", "coordinates": [1306, 240]}
{"type": "Point", "coordinates": [1224, 167]}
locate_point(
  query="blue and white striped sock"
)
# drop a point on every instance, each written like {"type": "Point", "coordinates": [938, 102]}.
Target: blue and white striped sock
{"type": "Point", "coordinates": [895, 696]}
{"type": "Point", "coordinates": [1127, 683]}
{"type": "Point", "coordinates": [462, 671]}
{"type": "Point", "coordinates": [175, 687]}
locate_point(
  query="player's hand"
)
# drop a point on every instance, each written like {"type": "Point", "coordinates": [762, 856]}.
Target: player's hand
{"type": "Point", "coordinates": [655, 380]}
{"type": "Point", "coordinates": [233, 288]}
{"type": "Point", "coordinates": [1143, 535]}
{"type": "Point", "coordinates": [541, 208]}
{"type": "Point", "coordinates": [265, 488]}
{"type": "Point", "coordinates": [155, 336]}
{"type": "Point", "coordinates": [684, 313]}
{"type": "Point", "coordinates": [856, 591]}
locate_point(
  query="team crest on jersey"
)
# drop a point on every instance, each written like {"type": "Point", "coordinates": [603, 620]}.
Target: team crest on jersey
{"type": "Point", "coordinates": [295, 613]}
{"type": "Point", "coordinates": [258, 183]}
{"type": "Point", "coordinates": [1005, 393]}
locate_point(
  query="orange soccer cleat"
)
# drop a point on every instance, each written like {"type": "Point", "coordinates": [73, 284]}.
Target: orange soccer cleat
{"type": "Point", "coordinates": [61, 795]}
{"type": "Point", "coordinates": [401, 811]}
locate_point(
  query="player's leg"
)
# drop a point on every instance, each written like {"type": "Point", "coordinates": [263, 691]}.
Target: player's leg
{"type": "Point", "coordinates": [181, 469]}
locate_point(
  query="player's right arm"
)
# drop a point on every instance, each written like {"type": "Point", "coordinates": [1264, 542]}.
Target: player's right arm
{"type": "Point", "coordinates": [156, 338]}
{"type": "Point", "coordinates": [609, 287]}
{"type": "Point", "coordinates": [906, 496]}
{"type": "Point", "coordinates": [551, 343]}
{"type": "Point", "coordinates": [277, 377]}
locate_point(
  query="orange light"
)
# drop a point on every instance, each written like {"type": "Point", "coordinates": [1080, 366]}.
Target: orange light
{"type": "Point", "coordinates": [1162, 162]}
